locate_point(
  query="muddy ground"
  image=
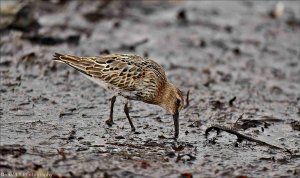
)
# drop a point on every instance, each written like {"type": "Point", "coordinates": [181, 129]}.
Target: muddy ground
{"type": "Point", "coordinates": [240, 64]}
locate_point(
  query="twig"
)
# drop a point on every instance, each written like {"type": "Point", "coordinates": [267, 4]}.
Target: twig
{"type": "Point", "coordinates": [241, 137]}
{"type": "Point", "coordinates": [241, 116]}
{"type": "Point", "coordinates": [231, 101]}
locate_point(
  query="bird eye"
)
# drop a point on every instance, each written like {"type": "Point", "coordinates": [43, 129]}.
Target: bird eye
{"type": "Point", "coordinates": [178, 102]}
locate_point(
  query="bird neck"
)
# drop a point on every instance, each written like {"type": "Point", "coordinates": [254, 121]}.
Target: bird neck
{"type": "Point", "coordinates": [164, 97]}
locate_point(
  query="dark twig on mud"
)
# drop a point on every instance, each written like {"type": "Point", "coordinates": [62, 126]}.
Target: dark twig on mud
{"type": "Point", "coordinates": [241, 116]}
{"type": "Point", "coordinates": [241, 137]}
{"type": "Point", "coordinates": [231, 101]}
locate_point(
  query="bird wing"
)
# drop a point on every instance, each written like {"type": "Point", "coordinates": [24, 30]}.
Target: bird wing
{"type": "Point", "coordinates": [122, 71]}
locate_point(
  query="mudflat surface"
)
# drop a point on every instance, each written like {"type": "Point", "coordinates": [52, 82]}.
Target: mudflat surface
{"type": "Point", "coordinates": [242, 68]}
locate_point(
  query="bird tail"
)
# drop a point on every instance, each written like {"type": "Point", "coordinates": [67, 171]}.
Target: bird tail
{"type": "Point", "coordinates": [58, 57]}
{"type": "Point", "coordinates": [73, 61]}
{"type": "Point", "coordinates": [68, 59]}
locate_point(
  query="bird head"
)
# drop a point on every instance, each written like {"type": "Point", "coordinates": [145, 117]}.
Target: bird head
{"type": "Point", "coordinates": [172, 100]}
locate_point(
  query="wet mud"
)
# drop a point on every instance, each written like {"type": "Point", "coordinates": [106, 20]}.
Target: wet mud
{"type": "Point", "coordinates": [240, 62]}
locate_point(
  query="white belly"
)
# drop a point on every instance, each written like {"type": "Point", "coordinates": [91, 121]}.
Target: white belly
{"type": "Point", "coordinates": [99, 82]}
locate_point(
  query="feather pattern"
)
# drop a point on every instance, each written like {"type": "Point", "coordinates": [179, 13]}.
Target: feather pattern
{"type": "Point", "coordinates": [130, 76]}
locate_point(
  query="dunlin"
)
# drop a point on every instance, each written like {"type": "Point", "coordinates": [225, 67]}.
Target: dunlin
{"type": "Point", "coordinates": [131, 76]}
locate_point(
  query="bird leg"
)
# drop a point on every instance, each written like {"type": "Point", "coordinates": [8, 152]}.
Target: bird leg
{"type": "Point", "coordinates": [110, 121]}
{"type": "Point", "coordinates": [126, 110]}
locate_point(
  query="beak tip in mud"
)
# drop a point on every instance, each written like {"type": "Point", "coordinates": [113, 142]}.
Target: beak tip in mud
{"type": "Point", "coordinates": [176, 125]}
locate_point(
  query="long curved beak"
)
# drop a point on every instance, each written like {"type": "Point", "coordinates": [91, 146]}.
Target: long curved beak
{"type": "Point", "coordinates": [176, 124]}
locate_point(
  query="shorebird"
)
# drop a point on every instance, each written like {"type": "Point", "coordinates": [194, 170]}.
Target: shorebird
{"type": "Point", "coordinates": [132, 77]}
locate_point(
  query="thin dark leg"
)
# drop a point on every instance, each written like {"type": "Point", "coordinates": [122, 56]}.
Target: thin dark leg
{"type": "Point", "coordinates": [110, 120]}
{"type": "Point", "coordinates": [126, 110]}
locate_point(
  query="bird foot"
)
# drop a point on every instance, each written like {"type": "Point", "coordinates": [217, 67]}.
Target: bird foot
{"type": "Point", "coordinates": [109, 122]}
